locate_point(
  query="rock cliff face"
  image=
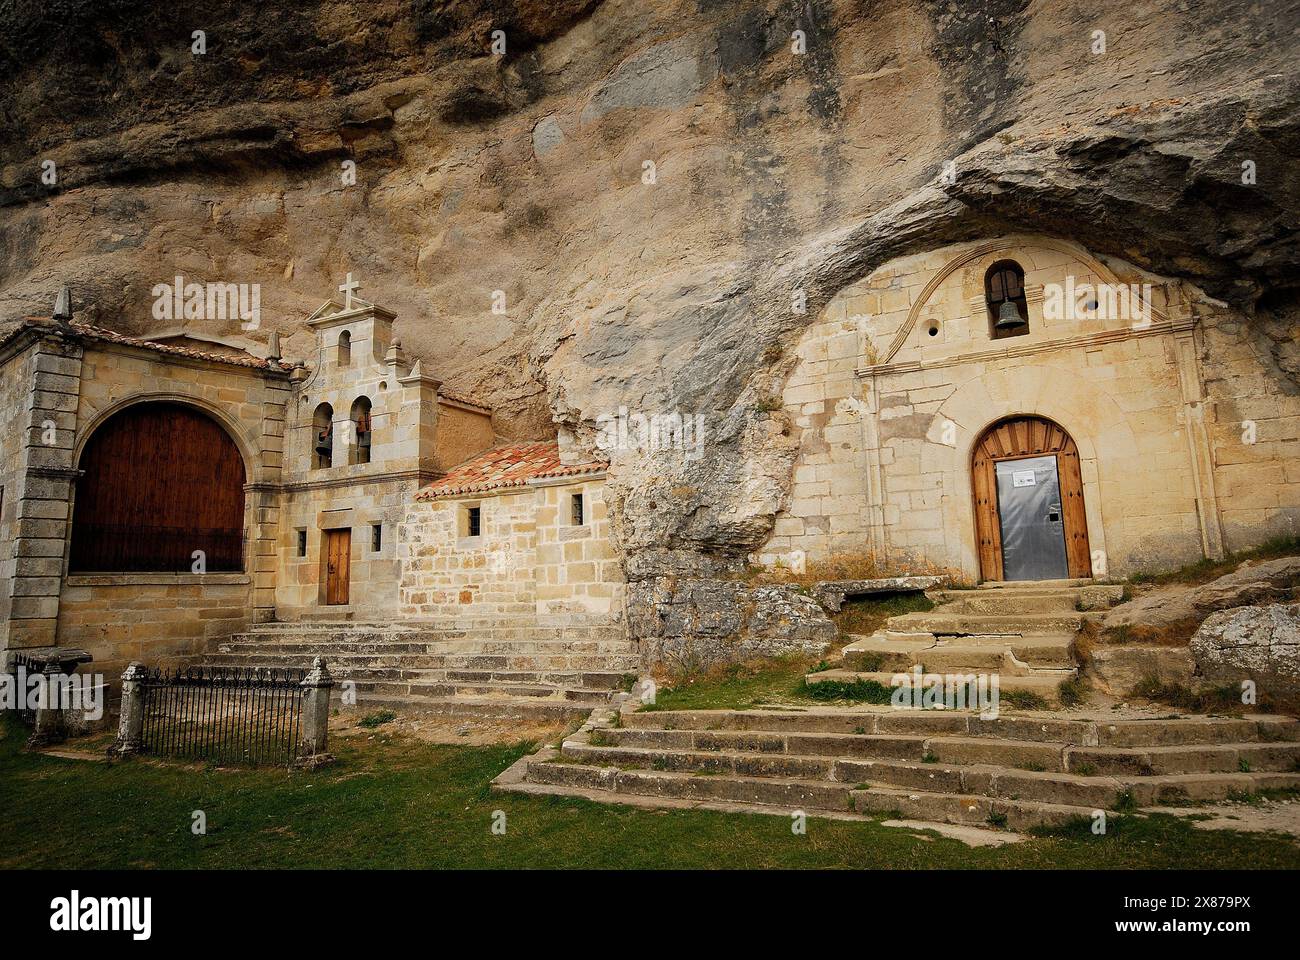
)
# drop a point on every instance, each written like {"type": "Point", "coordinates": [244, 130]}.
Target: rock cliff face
{"type": "Point", "coordinates": [647, 184]}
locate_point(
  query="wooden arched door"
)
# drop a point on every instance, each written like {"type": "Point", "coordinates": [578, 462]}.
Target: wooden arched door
{"type": "Point", "coordinates": [160, 481]}
{"type": "Point", "coordinates": [1016, 526]}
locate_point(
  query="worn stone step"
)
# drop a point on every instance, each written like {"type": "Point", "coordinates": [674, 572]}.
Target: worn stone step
{"type": "Point", "coordinates": [1197, 758]}
{"type": "Point", "coordinates": [1197, 730]}
{"type": "Point", "coordinates": [346, 660]}
{"type": "Point", "coordinates": [1003, 603]}
{"type": "Point", "coordinates": [950, 808]}
{"type": "Point", "coordinates": [540, 712]}
{"type": "Point", "coordinates": [744, 741]}
{"type": "Point", "coordinates": [939, 622]}
{"type": "Point", "coordinates": [788, 793]}
{"type": "Point", "coordinates": [1036, 585]}
{"type": "Point", "coordinates": [1045, 682]}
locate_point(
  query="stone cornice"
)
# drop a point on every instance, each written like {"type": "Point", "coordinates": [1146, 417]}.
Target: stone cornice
{"type": "Point", "coordinates": [1030, 349]}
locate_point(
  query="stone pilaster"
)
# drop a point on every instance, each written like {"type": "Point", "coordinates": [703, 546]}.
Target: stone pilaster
{"type": "Point", "coordinates": [44, 505]}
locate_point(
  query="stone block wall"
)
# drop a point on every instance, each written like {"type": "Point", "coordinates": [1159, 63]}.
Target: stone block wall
{"type": "Point", "coordinates": [374, 573]}
{"type": "Point", "coordinates": [899, 377]}
{"type": "Point", "coordinates": [163, 620]}
{"type": "Point", "coordinates": [577, 568]}
{"type": "Point", "coordinates": [528, 560]}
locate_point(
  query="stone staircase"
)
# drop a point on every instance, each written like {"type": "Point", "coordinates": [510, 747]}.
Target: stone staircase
{"type": "Point", "coordinates": [1018, 771]}
{"type": "Point", "coordinates": [1023, 632]}
{"type": "Point", "coordinates": [553, 670]}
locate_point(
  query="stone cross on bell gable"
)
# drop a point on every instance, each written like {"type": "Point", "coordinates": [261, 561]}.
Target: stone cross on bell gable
{"type": "Point", "coordinates": [347, 288]}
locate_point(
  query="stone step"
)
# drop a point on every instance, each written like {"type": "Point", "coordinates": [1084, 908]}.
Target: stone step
{"type": "Point", "coordinates": [950, 808]}
{"type": "Point", "coordinates": [789, 793]}
{"type": "Point", "coordinates": [1008, 725]}
{"type": "Point", "coordinates": [941, 654]}
{"type": "Point", "coordinates": [1101, 792]}
{"type": "Point", "coordinates": [1045, 682]}
{"type": "Point", "coordinates": [433, 647]}
{"type": "Point", "coordinates": [1001, 603]}
{"type": "Point", "coordinates": [813, 756]}
{"type": "Point", "coordinates": [346, 660]}
{"type": "Point", "coordinates": [432, 689]}
{"type": "Point", "coordinates": [1032, 585]}
{"type": "Point", "coordinates": [541, 712]}
{"type": "Point", "coordinates": [939, 622]}
{"type": "Point", "coordinates": [1191, 758]}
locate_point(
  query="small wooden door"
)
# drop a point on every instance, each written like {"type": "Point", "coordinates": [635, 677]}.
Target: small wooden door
{"type": "Point", "coordinates": [338, 557]}
{"type": "Point", "coordinates": [1024, 438]}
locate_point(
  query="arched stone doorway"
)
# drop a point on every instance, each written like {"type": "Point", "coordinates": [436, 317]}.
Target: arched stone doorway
{"type": "Point", "coordinates": [1029, 517]}
{"type": "Point", "coordinates": [159, 481]}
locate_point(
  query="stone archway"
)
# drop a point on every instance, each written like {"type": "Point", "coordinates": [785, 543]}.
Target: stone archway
{"type": "Point", "coordinates": [1048, 454]}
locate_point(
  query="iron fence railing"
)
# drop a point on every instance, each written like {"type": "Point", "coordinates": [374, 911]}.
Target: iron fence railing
{"type": "Point", "coordinates": [225, 715]}
{"type": "Point", "coordinates": [28, 667]}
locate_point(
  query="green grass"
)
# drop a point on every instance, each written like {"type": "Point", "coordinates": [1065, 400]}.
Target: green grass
{"type": "Point", "coordinates": [1203, 571]}
{"type": "Point", "coordinates": [395, 802]}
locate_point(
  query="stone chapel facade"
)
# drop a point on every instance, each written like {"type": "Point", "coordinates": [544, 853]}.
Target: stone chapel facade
{"type": "Point", "coordinates": [1112, 421]}
{"type": "Point", "coordinates": [1015, 408]}
{"type": "Point", "coordinates": [160, 494]}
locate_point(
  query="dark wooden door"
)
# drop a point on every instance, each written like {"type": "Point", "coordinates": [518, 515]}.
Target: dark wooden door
{"type": "Point", "coordinates": [338, 557]}
{"type": "Point", "coordinates": [1019, 438]}
{"type": "Point", "coordinates": [160, 481]}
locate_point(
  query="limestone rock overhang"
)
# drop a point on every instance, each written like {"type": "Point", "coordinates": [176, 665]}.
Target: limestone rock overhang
{"type": "Point", "coordinates": [514, 464]}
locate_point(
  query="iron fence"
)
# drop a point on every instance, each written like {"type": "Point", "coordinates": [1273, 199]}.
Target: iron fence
{"type": "Point", "coordinates": [29, 667]}
{"type": "Point", "coordinates": [225, 715]}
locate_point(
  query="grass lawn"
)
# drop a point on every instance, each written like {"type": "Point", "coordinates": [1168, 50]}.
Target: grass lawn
{"type": "Point", "coordinates": [397, 802]}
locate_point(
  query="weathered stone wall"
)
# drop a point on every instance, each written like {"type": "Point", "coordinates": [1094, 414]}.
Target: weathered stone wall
{"type": "Point", "coordinates": [687, 624]}
{"type": "Point", "coordinates": [159, 619]}
{"type": "Point", "coordinates": [887, 414]}
{"type": "Point", "coordinates": [462, 432]}
{"type": "Point", "coordinates": [577, 568]}
{"type": "Point", "coordinates": [529, 560]}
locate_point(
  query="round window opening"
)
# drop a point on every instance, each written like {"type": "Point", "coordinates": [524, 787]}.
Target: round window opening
{"type": "Point", "coordinates": [934, 330]}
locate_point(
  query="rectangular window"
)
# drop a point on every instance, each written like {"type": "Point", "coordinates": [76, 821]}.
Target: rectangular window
{"type": "Point", "coordinates": [302, 543]}
{"type": "Point", "coordinates": [376, 537]}
{"type": "Point", "coordinates": [473, 521]}
{"type": "Point", "coordinates": [576, 516]}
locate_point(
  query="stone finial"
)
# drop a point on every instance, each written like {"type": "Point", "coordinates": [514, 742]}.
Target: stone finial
{"type": "Point", "coordinates": [395, 357]}
{"type": "Point", "coordinates": [63, 305]}
{"type": "Point", "coordinates": [273, 346]}
{"type": "Point", "coordinates": [318, 675]}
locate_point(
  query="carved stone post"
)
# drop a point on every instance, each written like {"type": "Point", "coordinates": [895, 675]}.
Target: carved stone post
{"type": "Point", "coordinates": [131, 724]}
{"type": "Point", "coordinates": [50, 725]}
{"type": "Point", "coordinates": [314, 740]}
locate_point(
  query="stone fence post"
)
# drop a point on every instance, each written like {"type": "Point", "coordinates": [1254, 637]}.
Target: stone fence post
{"type": "Point", "coordinates": [50, 725]}
{"type": "Point", "coordinates": [313, 743]}
{"type": "Point", "coordinates": [131, 724]}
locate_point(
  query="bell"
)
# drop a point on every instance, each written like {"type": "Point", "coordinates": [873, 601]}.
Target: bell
{"type": "Point", "coordinates": [1008, 316]}
{"type": "Point", "coordinates": [324, 443]}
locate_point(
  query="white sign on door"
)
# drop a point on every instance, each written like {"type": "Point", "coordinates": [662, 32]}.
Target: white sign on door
{"type": "Point", "coordinates": [1022, 478]}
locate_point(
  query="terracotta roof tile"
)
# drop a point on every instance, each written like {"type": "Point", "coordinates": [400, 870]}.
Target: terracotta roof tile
{"type": "Point", "coordinates": [102, 334]}
{"type": "Point", "coordinates": [507, 465]}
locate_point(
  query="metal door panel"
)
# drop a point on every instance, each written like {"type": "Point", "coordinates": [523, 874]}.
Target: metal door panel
{"type": "Point", "coordinates": [1029, 513]}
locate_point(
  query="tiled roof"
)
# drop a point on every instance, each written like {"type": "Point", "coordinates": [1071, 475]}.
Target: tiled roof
{"type": "Point", "coordinates": [88, 331]}
{"type": "Point", "coordinates": [507, 465]}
